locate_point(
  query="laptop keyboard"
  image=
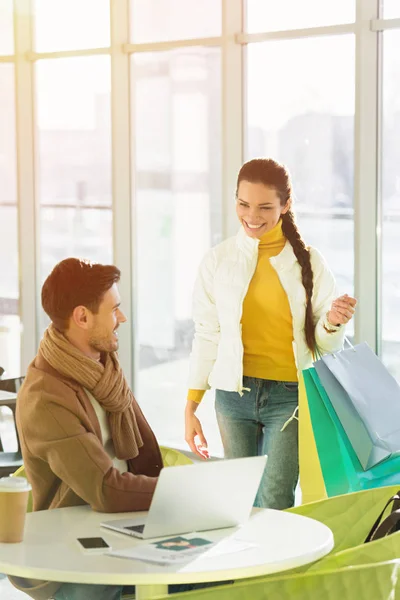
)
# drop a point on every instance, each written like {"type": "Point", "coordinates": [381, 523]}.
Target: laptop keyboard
{"type": "Point", "coordinates": [137, 528]}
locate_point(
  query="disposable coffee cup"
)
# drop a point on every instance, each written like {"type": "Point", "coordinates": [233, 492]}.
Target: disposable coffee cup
{"type": "Point", "coordinates": [14, 495]}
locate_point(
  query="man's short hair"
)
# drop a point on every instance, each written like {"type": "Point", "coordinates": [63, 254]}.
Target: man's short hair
{"type": "Point", "coordinates": [74, 282]}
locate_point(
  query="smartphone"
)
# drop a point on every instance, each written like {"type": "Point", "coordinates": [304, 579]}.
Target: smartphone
{"type": "Point", "coordinates": [93, 545]}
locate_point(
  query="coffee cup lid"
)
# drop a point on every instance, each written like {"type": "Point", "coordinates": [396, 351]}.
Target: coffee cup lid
{"type": "Point", "coordinates": [14, 484]}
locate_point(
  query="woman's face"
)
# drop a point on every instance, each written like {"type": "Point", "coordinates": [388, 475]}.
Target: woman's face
{"type": "Point", "coordinates": [258, 208]}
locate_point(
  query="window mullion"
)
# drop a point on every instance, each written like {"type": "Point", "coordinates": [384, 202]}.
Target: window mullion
{"type": "Point", "coordinates": [27, 212]}
{"type": "Point", "coordinates": [366, 173]}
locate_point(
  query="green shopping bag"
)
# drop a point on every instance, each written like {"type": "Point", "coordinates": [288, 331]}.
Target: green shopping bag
{"type": "Point", "coordinates": [340, 466]}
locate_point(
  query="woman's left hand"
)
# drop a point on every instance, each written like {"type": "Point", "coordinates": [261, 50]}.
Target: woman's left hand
{"type": "Point", "coordinates": [342, 310]}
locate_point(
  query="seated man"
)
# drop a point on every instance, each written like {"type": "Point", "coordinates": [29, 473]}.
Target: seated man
{"type": "Point", "coordinates": [84, 438]}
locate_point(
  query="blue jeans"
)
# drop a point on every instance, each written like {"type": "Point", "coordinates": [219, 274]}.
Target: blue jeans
{"type": "Point", "coordinates": [250, 425]}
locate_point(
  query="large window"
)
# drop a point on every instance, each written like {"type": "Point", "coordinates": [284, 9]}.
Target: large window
{"type": "Point", "coordinates": [165, 20]}
{"type": "Point", "coordinates": [6, 27]}
{"type": "Point", "coordinates": [160, 101]}
{"type": "Point", "coordinates": [268, 15]}
{"type": "Point", "coordinates": [177, 200]}
{"type": "Point", "coordinates": [391, 202]}
{"type": "Point", "coordinates": [391, 9]}
{"type": "Point", "coordinates": [71, 24]}
{"type": "Point", "coordinates": [300, 110]}
{"type": "Point", "coordinates": [9, 279]}
{"type": "Point", "coordinates": [74, 159]}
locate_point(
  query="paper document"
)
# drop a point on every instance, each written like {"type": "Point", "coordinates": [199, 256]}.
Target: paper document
{"type": "Point", "coordinates": [180, 549]}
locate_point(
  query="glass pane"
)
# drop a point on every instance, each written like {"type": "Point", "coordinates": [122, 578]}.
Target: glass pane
{"type": "Point", "coordinates": [269, 15]}
{"type": "Point", "coordinates": [166, 20]}
{"type": "Point", "coordinates": [71, 24]}
{"type": "Point", "coordinates": [74, 159]}
{"type": "Point", "coordinates": [6, 27]}
{"type": "Point", "coordinates": [177, 136]}
{"type": "Point", "coordinates": [74, 231]}
{"type": "Point", "coordinates": [306, 120]}
{"type": "Point", "coordinates": [391, 202]}
{"type": "Point", "coordinates": [391, 9]}
{"type": "Point", "coordinates": [9, 288]}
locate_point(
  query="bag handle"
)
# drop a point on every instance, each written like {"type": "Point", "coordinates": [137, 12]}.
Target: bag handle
{"type": "Point", "coordinates": [389, 525]}
{"type": "Point", "coordinates": [317, 354]}
{"type": "Point", "coordinates": [348, 342]}
{"type": "Point", "coordinates": [380, 530]}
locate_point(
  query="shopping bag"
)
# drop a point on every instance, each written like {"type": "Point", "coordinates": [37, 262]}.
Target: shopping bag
{"type": "Point", "coordinates": [366, 398]}
{"type": "Point", "coordinates": [341, 469]}
{"type": "Point", "coordinates": [311, 478]}
{"type": "Point", "coordinates": [334, 457]}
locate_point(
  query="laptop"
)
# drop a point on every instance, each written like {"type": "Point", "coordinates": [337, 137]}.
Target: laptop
{"type": "Point", "coordinates": [199, 497]}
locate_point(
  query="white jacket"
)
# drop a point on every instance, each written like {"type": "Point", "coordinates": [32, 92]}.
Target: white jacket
{"type": "Point", "coordinates": [222, 283]}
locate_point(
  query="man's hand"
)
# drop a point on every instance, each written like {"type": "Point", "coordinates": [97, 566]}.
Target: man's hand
{"type": "Point", "coordinates": [194, 430]}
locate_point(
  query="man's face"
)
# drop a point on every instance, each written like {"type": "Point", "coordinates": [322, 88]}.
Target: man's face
{"type": "Point", "coordinates": [102, 332]}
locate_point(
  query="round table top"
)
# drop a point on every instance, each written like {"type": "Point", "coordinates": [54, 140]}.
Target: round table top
{"type": "Point", "coordinates": [50, 550]}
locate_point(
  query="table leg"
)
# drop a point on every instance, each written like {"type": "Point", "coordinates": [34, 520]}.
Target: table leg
{"type": "Point", "coordinates": [148, 592]}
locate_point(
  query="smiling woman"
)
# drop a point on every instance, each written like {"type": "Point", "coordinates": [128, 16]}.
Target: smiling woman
{"type": "Point", "coordinates": [264, 304]}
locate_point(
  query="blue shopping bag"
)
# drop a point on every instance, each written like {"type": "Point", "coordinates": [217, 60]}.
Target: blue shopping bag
{"type": "Point", "coordinates": [340, 466]}
{"type": "Point", "coordinates": [366, 398]}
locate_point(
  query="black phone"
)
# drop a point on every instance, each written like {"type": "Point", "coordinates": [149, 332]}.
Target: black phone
{"type": "Point", "coordinates": [93, 545]}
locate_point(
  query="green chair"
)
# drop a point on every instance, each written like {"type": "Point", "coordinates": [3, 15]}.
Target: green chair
{"type": "Point", "coordinates": [367, 582]}
{"type": "Point", "coordinates": [350, 517]}
{"type": "Point", "coordinates": [174, 458]}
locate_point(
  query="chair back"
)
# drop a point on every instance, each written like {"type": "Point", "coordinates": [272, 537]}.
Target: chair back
{"type": "Point", "coordinates": [174, 458]}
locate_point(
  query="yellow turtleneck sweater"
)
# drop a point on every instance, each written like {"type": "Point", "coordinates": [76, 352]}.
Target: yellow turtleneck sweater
{"type": "Point", "coordinates": [267, 330]}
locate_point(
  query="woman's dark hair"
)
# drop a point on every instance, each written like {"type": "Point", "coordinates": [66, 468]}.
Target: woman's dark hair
{"type": "Point", "coordinates": [274, 175]}
{"type": "Point", "coordinates": [74, 282]}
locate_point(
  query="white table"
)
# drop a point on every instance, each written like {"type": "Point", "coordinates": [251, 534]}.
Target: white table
{"type": "Point", "coordinates": [50, 552]}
